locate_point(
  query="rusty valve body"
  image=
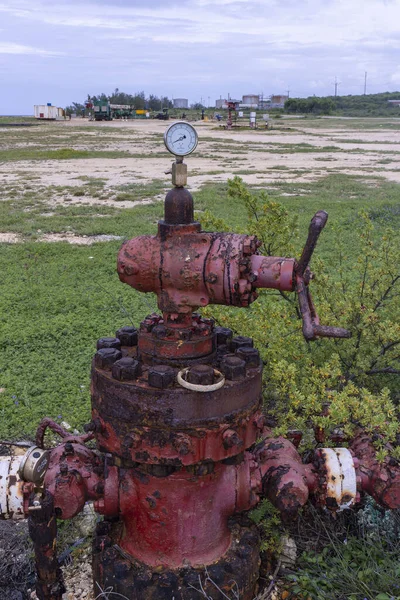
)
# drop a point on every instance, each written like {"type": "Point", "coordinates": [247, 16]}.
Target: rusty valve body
{"type": "Point", "coordinates": [177, 420]}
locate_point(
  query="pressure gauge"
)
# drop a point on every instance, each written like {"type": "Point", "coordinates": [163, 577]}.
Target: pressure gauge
{"type": "Point", "coordinates": [180, 138]}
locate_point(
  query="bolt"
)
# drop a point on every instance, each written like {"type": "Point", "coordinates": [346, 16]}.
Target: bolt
{"type": "Point", "coordinates": [182, 444]}
{"type": "Point", "coordinates": [128, 336]}
{"type": "Point", "coordinates": [69, 449]}
{"type": "Point", "coordinates": [108, 342]}
{"type": "Point", "coordinates": [125, 369]}
{"type": "Point", "coordinates": [230, 439]}
{"type": "Point", "coordinates": [224, 335]}
{"type": "Point", "coordinates": [233, 367]}
{"type": "Point", "coordinates": [240, 341]}
{"type": "Point", "coordinates": [251, 356]}
{"type": "Point", "coordinates": [253, 276]}
{"type": "Point", "coordinates": [161, 376]}
{"type": "Point", "coordinates": [64, 469]}
{"type": "Point", "coordinates": [201, 375]}
{"type": "Point", "coordinates": [159, 331]}
{"type": "Point", "coordinates": [212, 278]}
{"type": "Point", "coordinates": [105, 357]}
{"type": "Point", "coordinates": [149, 322]}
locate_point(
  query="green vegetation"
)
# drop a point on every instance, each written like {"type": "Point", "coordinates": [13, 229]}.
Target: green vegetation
{"type": "Point", "coordinates": [358, 558]}
{"type": "Point", "coordinates": [357, 286]}
{"type": "Point", "coordinates": [369, 105]}
{"type": "Point", "coordinates": [61, 154]}
{"type": "Point", "coordinates": [56, 300]}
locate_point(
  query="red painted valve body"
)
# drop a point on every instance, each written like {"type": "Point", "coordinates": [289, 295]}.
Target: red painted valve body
{"type": "Point", "coordinates": [175, 469]}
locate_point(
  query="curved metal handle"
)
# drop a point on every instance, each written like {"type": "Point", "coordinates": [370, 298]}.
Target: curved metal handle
{"type": "Point", "coordinates": [317, 224]}
{"type": "Point", "coordinates": [311, 326]}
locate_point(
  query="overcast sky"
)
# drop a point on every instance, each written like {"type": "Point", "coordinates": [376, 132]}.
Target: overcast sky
{"type": "Point", "coordinates": [62, 50]}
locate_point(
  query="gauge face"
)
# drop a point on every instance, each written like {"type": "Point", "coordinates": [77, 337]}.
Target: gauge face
{"type": "Point", "coordinates": [180, 138]}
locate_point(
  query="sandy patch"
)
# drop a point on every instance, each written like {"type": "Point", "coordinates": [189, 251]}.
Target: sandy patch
{"type": "Point", "coordinates": [214, 162]}
{"type": "Point", "coordinates": [80, 240]}
{"type": "Point", "coordinates": [9, 238]}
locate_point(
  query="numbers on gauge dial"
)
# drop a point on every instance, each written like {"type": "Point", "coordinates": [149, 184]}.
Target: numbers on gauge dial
{"type": "Point", "coordinates": [180, 139]}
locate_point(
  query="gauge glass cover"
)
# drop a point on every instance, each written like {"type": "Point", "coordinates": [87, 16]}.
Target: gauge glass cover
{"type": "Point", "coordinates": [180, 138]}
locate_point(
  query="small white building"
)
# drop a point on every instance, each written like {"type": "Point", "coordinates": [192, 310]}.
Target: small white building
{"type": "Point", "coordinates": [48, 112]}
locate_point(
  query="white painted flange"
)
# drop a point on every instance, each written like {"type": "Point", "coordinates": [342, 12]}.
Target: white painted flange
{"type": "Point", "coordinates": [11, 495]}
{"type": "Point", "coordinates": [340, 476]}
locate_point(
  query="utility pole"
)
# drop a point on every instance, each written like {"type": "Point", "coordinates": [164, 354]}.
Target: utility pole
{"type": "Point", "coordinates": [288, 93]}
{"type": "Point", "coordinates": [336, 86]}
{"type": "Point", "coordinates": [365, 83]}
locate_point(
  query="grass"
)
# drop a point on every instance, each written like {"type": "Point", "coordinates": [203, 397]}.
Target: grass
{"type": "Point", "coordinates": [62, 154]}
{"type": "Point", "coordinates": [57, 299]}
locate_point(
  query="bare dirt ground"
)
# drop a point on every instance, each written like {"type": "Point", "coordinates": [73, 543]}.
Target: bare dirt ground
{"type": "Point", "coordinates": [219, 156]}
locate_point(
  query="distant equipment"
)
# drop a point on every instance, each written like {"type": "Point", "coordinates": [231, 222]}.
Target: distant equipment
{"type": "Point", "coordinates": [250, 100]}
{"type": "Point", "coordinates": [47, 112]}
{"type": "Point", "coordinates": [181, 103]}
{"type": "Point", "coordinates": [106, 111]}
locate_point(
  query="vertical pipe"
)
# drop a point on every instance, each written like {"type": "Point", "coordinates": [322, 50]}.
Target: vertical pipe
{"type": "Point", "coordinates": [43, 531]}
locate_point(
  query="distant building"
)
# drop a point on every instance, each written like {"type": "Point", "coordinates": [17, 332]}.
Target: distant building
{"type": "Point", "coordinates": [394, 102]}
{"type": "Point", "coordinates": [251, 100]}
{"type": "Point", "coordinates": [278, 100]}
{"type": "Point", "coordinates": [48, 112]}
{"type": "Point", "coordinates": [181, 103]}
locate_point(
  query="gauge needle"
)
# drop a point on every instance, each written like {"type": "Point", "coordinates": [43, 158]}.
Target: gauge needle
{"type": "Point", "coordinates": [183, 137]}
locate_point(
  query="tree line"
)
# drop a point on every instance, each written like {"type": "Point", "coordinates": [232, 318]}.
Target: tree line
{"type": "Point", "coordinates": [138, 100]}
{"type": "Point", "coordinates": [368, 105]}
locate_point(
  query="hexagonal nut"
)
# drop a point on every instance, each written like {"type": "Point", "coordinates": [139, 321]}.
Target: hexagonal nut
{"type": "Point", "coordinates": [241, 341]}
{"type": "Point", "coordinates": [128, 336]}
{"type": "Point", "coordinates": [108, 342]}
{"type": "Point", "coordinates": [182, 444]}
{"type": "Point", "coordinates": [106, 357]}
{"type": "Point", "coordinates": [159, 331]}
{"type": "Point", "coordinates": [233, 367]}
{"type": "Point", "coordinates": [224, 335]}
{"type": "Point", "coordinates": [161, 376]}
{"type": "Point", "coordinates": [125, 369]}
{"type": "Point", "coordinates": [231, 438]}
{"type": "Point", "coordinates": [251, 356]}
{"type": "Point", "coordinates": [200, 375]}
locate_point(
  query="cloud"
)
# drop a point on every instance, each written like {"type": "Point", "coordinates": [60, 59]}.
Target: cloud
{"type": "Point", "coordinates": [194, 48]}
{"type": "Point", "coordinates": [11, 48]}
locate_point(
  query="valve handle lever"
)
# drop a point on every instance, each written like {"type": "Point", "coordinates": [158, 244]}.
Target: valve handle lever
{"type": "Point", "coordinates": [317, 224]}
{"type": "Point", "coordinates": [311, 324]}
